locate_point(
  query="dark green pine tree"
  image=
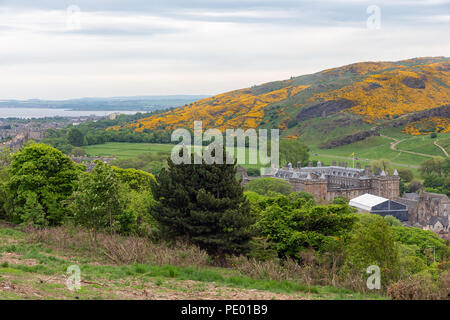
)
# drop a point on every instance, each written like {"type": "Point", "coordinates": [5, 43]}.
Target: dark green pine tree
{"type": "Point", "coordinates": [205, 204]}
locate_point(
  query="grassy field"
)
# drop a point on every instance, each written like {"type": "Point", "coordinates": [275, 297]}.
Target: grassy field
{"type": "Point", "coordinates": [125, 150]}
{"type": "Point", "coordinates": [373, 148]}
{"type": "Point", "coordinates": [31, 270]}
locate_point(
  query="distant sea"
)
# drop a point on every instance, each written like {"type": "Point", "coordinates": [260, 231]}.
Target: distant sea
{"type": "Point", "coordinates": [47, 112]}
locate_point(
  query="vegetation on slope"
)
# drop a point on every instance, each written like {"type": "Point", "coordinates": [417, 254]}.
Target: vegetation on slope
{"type": "Point", "coordinates": [371, 91]}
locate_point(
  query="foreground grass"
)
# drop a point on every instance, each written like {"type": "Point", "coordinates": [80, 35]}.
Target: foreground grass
{"type": "Point", "coordinates": [35, 271]}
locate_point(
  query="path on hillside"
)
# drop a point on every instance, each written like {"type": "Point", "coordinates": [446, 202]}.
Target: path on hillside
{"type": "Point", "coordinates": [396, 142]}
{"type": "Point", "coordinates": [441, 147]}
{"type": "Point", "coordinates": [366, 160]}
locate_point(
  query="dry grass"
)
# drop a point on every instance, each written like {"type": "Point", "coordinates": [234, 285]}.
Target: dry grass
{"type": "Point", "coordinates": [421, 288]}
{"type": "Point", "coordinates": [119, 249]}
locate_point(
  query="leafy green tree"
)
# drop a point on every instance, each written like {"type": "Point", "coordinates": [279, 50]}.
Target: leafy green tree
{"type": "Point", "coordinates": [75, 137]}
{"type": "Point", "coordinates": [32, 212]}
{"type": "Point", "coordinates": [269, 186]}
{"type": "Point", "coordinates": [406, 175]}
{"type": "Point", "coordinates": [432, 166]}
{"type": "Point", "coordinates": [293, 151]}
{"type": "Point", "coordinates": [42, 174]}
{"type": "Point", "coordinates": [98, 199]}
{"type": "Point", "coordinates": [340, 200]}
{"type": "Point", "coordinates": [204, 204]}
{"type": "Point", "coordinates": [5, 200]}
{"type": "Point", "coordinates": [382, 164]}
{"type": "Point", "coordinates": [373, 243]}
{"type": "Point", "coordinates": [423, 240]}
{"type": "Point", "coordinates": [135, 179]}
{"type": "Point", "coordinates": [393, 221]}
{"type": "Point", "coordinates": [294, 226]}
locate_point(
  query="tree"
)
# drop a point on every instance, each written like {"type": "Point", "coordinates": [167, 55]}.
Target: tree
{"type": "Point", "coordinates": [42, 174]}
{"type": "Point", "coordinates": [98, 199]}
{"type": "Point", "coordinates": [393, 221]}
{"type": "Point", "coordinates": [78, 152]}
{"type": "Point", "coordinates": [432, 166]}
{"type": "Point", "coordinates": [5, 200]}
{"type": "Point", "coordinates": [75, 137]}
{"type": "Point", "coordinates": [406, 175]}
{"type": "Point", "coordinates": [297, 225]}
{"type": "Point", "coordinates": [382, 165]}
{"type": "Point", "coordinates": [373, 243]}
{"type": "Point", "coordinates": [204, 204]}
{"type": "Point", "coordinates": [340, 200]}
{"type": "Point", "coordinates": [269, 186]}
{"type": "Point", "coordinates": [415, 186]}
{"type": "Point", "coordinates": [293, 151]}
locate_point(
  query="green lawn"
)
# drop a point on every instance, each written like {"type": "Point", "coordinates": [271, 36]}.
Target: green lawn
{"type": "Point", "coordinates": [124, 150]}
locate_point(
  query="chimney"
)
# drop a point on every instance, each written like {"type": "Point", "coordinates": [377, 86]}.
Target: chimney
{"type": "Point", "coordinates": [310, 164]}
{"type": "Point", "coordinates": [345, 164]}
{"type": "Point", "coordinates": [367, 170]}
{"type": "Point", "coordinates": [358, 165]}
{"type": "Point", "coordinates": [334, 163]}
{"type": "Point", "coordinates": [299, 165]}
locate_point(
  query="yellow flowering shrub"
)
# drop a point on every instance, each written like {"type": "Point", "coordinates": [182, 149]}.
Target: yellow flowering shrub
{"type": "Point", "coordinates": [427, 126]}
{"type": "Point", "coordinates": [235, 109]}
{"type": "Point", "coordinates": [385, 95]}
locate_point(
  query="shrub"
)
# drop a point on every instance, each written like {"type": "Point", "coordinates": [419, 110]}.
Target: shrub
{"type": "Point", "coordinates": [264, 186]}
{"type": "Point", "coordinates": [393, 221]}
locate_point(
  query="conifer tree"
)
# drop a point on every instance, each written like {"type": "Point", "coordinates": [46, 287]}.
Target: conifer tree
{"type": "Point", "coordinates": [204, 204]}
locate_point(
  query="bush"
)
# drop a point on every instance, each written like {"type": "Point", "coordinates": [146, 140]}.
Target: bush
{"type": "Point", "coordinates": [393, 221]}
{"type": "Point", "coordinates": [253, 172]}
{"type": "Point", "coordinates": [267, 186]}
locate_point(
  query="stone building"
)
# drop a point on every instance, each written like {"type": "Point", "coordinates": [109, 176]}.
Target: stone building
{"type": "Point", "coordinates": [327, 182]}
{"type": "Point", "coordinates": [428, 210]}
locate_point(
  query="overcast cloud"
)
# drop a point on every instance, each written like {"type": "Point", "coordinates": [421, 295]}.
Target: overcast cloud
{"type": "Point", "coordinates": [151, 47]}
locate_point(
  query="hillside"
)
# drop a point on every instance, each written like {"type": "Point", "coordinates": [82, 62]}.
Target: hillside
{"type": "Point", "coordinates": [355, 95]}
{"type": "Point", "coordinates": [32, 269]}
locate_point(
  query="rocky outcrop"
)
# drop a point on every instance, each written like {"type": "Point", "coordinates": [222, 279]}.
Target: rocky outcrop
{"type": "Point", "coordinates": [324, 109]}
{"type": "Point", "coordinates": [414, 83]}
{"type": "Point", "coordinates": [358, 136]}
{"type": "Point", "coordinates": [441, 112]}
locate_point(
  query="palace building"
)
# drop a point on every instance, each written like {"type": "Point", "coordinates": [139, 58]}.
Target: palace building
{"type": "Point", "coordinates": [327, 182]}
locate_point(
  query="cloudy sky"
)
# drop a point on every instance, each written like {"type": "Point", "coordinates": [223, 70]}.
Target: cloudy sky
{"type": "Point", "coordinates": [57, 49]}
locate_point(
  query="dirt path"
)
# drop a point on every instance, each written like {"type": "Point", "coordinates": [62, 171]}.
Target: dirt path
{"type": "Point", "coordinates": [441, 147]}
{"type": "Point", "coordinates": [54, 287]}
{"type": "Point", "coordinates": [396, 142]}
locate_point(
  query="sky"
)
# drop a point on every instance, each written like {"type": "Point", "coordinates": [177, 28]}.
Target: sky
{"type": "Point", "coordinates": [58, 49]}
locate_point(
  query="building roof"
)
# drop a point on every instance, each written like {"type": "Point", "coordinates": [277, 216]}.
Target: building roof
{"type": "Point", "coordinates": [366, 201]}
